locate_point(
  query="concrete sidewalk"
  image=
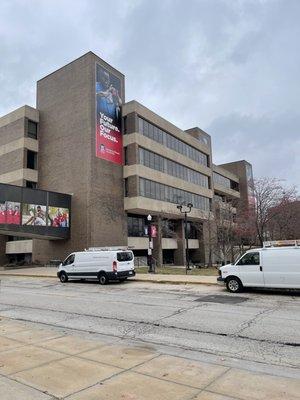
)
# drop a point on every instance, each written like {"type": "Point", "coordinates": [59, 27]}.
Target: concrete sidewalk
{"type": "Point", "coordinates": [50, 272]}
{"type": "Point", "coordinates": [40, 363]}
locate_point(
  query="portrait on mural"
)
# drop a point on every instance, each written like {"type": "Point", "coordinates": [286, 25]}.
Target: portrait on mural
{"type": "Point", "coordinates": [58, 217]}
{"type": "Point", "coordinates": [10, 213]}
{"type": "Point", "coordinates": [33, 214]}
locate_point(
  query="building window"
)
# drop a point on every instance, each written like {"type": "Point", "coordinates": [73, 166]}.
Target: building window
{"type": "Point", "coordinates": [31, 185]}
{"type": "Point", "coordinates": [170, 141]}
{"type": "Point", "coordinates": [192, 231]}
{"type": "Point", "coordinates": [221, 180]}
{"type": "Point", "coordinates": [32, 129]}
{"type": "Point", "coordinates": [125, 125]}
{"type": "Point", "coordinates": [126, 187]}
{"type": "Point", "coordinates": [234, 186]}
{"type": "Point", "coordinates": [168, 228]}
{"type": "Point", "coordinates": [31, 159]}
{"type": "Point", "coordinates": [162, 164]}
{"type": "Point", "coordinates": [136, 226]}
{"type": "Point", "coordinates": [158, 191]}
{"type": "Point", "coordinates": [126, 155]}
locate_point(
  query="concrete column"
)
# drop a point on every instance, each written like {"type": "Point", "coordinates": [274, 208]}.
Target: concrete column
{"type": "Point", "coordinates": [157, 242]}
{"type": "Point", "coordinates": [198, 255]}
{"type": "Point", "coordinates": [179, 253]}
{"type": "Point", "coordinates": [206, 243]}
{"type": "Point", "coordinates": [3, 256]}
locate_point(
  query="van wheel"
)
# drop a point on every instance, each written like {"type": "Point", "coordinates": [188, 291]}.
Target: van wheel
{"type": "Point", "coordinates": [63, 277]}
{"type": "Point", "coordinates": [102, 279]}
{"type": "Point", "coordinates": [234, 285]}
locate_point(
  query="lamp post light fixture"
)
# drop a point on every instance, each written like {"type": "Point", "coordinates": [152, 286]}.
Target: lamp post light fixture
{"type": "Point", "coordinates": [150, 245]}
{"type": "Point", "coordinates": [185, 211]}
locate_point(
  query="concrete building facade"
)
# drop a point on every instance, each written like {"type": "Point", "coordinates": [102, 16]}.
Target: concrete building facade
{"type": "Point", "coordinates": [53, 147]}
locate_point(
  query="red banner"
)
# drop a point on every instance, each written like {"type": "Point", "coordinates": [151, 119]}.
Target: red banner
{"type": "Point", "coordinates": [153, 231]}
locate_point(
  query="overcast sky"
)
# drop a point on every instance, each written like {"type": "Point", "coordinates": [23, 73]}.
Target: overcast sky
{"type": "Point", "coordinates": [230, 67]}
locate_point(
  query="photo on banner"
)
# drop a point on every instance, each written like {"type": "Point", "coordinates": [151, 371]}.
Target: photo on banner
{"type": "Point", "coordinates": [58, 217]}
{"type": "Point", "coordinates": [33, 214]}
{"type": "Point", "coordinates": [13, 213]}
{"type": "Point", "coordinates": [2, 212]}
{"type": "Point", "coordinates": [109, 142]}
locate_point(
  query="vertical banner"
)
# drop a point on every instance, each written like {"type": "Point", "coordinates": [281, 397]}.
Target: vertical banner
{"type": "Point", "coordinates": [109, 143]}
{"type": "Point", "coordinates": [153, 231]}
{"type": "Point", "coordinates": [250, 183]}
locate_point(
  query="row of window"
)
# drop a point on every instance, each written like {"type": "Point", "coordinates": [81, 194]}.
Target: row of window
{"type": "Point", "coordinates": [158, 191]}
{"type": "Point", "coordinates": [137, 227]}
{"type": "Point", "coordinates": [225, 182]}
{"type": "Point", "coordinates": [221, 180]}
{"type": "Point", "coordinates": [170, 141]}
{"type": "Point", "coordinates": [155, 161]}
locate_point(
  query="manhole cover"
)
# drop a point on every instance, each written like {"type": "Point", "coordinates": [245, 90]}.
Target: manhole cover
{"type": "Point", "coordinates": [222, 299]}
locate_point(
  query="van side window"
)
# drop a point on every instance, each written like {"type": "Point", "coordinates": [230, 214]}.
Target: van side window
{"type": "Point", "coordinates": [69, 260]}
{"type": "Point", "coordinates": [249, 259]}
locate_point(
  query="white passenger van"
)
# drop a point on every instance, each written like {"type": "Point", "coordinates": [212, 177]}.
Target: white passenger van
{"type": "Point", "coordinates": [104, 264]}
{"type": "Point", "coordinates": [268, 267]}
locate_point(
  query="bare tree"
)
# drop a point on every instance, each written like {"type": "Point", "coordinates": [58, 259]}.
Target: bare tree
{"type": "Point", "coordinates": [286, 222]}
{"type": "Point", "coordinates": [270, 198]}
{"type": "Point", "coordinates": [245, 232]}
{"type": "Point", "coordinates": [220, 227]}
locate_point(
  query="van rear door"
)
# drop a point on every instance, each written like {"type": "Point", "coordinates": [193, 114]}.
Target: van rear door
{"type": "Point", "coordinates": [125, 261]}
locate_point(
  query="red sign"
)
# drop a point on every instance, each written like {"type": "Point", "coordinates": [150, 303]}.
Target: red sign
{"type": "Point", "coordinates": [109, 143]}
{"type": "Point", "coordinates": [153, 231]}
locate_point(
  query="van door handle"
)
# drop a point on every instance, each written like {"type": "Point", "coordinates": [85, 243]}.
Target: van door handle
{"type": "Point", "coordinates": [260, 268]}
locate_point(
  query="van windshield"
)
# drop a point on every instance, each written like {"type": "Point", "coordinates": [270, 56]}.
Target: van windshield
{"type": "Point", "coordinates": [124, 256]}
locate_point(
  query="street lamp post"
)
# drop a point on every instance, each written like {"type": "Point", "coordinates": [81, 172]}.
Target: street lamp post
{"type": "Point", "coordinates": [150, 268]}
{"type": "Point", "coordinates": [185, 212]}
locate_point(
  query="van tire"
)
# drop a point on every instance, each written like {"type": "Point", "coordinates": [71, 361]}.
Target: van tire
{"type": "Point", "coordinates": [63, 277]}
{"type": "Point", "coordinates": [234, 285]}
{"type": "Point", "coordinates": [102, 277]}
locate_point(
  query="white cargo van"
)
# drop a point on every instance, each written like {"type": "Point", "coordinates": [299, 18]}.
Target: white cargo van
{"type": "Point", "coordinates": [269, 267]}
{"type": "Point", "coordinates": [102, 264]}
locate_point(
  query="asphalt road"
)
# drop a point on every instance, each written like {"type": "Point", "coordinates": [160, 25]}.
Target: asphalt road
{"type": "Point", "coordinates": [258, 329]}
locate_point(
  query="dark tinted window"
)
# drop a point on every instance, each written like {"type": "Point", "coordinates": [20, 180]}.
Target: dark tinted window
{"type": "Point", "coordinates": [124, 256]}
{"type": "Point", "coordinates": [32, 129]}
{"type": "Point", "coordinates": [31, 159]}
{"type": "Point", "coordinates": [69, 260]}
{"type": "Point", "coordinates": [249, 259]}
{"type": "Point", "coordinates": [32, 185]}
{"type": "Point", "coordinates": [136, 226]}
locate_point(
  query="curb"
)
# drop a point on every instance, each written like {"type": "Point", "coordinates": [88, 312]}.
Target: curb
{"type": "Point", "coordinates": [175, 282]}
{"type": "Point", "coordinates": [29, 275]}
{"type": "Point", "coordinates": [163, 281]}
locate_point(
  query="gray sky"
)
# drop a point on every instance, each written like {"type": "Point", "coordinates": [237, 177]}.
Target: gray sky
{"type": "Point", "coordinates": [230, 67]}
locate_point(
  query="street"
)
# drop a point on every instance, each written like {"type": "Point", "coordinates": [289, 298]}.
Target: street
{"type": "Point", "coordinates": [256, 331]}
